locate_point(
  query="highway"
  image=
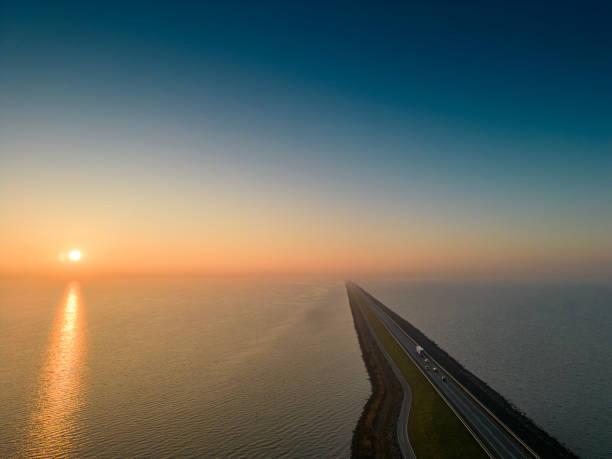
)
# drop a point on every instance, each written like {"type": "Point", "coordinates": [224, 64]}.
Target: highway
{"type": "Point", "coordinates": [402, 423]}
{"type": "Point", "coordinates": [496, 439]}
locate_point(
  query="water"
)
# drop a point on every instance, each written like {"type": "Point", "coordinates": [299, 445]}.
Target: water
{"type": "Point", "coordinates": [546, 347]}
{"type": "Point", "coordinates": [178, 367]}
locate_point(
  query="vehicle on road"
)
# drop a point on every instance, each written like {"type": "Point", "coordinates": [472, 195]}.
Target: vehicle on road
{"type": "Point", "coordinates": [426, 360]}
{"type": "Point", "coordinates": [443, 378]}
{"type": "Point", "coordinates": [420, 351]}
{"type": "Point", "coordinates": [435, 370]}
{"type": "Point", "coordinates": [427, 367]}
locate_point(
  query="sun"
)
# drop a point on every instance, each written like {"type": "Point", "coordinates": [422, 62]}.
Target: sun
{"type": "Point", "coordinates": [75, 255]}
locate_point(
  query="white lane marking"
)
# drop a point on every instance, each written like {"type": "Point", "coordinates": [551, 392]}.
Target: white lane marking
{"type": "Point", "coordinates": [458, 383]}
{"type": "Point", "coordinates": [478, 418]}
{"type": "Point", "coordinates": [405, 447]}
{"type": "Point", "coordinates": [484, 448]}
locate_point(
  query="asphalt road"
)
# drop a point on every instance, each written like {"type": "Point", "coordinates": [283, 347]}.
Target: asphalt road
{"type": "Point", "coordinates": [495, 439]}
{"type": "Point", "coordinates": [402, 422]}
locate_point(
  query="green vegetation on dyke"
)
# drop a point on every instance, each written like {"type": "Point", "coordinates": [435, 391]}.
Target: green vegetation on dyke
{"type": "Point", "coordinates": [374, 434]}
{"type": "Point", "coordinates": [434, 430]}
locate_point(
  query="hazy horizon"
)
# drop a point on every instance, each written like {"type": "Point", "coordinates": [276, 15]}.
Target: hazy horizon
{"type": "Point", "coordinates": [291, 139]}
{"type": "Point", "coordinates": [185, 187]}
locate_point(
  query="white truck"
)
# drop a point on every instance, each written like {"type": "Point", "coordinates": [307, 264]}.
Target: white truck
{"type": "Point", "coordinates": [420, 351]}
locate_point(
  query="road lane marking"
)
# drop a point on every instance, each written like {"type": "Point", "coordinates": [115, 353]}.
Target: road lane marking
{"type": "Point", "coordinates": [495, 438]}
{"type": "Point", "coordinates": [458, 383]}
{"type": "Point", "coordinates": [484, 448]}
{"type": "Point", "coordinates": [402, 432]}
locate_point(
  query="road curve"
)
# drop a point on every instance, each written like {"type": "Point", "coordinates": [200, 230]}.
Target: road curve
{"type": "Point", "coordinates": [495, 438]}
{"type": "Point", "coordinates": [402, 422]}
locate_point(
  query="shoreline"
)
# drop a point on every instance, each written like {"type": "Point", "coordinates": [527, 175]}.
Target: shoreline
{"type": "Point", "coordinates": [426, 425]}
{"type": "Point", "coordinates": [544, 444]}
{"type": "Point", "coordinates": [375, 434]}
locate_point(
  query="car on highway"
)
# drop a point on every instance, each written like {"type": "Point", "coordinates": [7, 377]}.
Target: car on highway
{"type": "Point", "coordinates": [443, 378]}
{"type": "Point", "coordinates": [427, 367]}
{"type": "Point", "coordinates": [435, 370]}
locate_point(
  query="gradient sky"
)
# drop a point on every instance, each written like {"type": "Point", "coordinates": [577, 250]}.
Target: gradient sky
{"type": "Point", "coordinates": [433, 139]}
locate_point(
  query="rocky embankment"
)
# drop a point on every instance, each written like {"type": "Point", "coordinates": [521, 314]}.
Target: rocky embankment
{"type": "Point", "coordinates": [376, 432]}
{"type": "Point", "coordinates": [541, 442]}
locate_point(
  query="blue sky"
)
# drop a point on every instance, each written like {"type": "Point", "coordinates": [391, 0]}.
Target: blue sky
{"type": "Point", "coordinates": [482, 118]}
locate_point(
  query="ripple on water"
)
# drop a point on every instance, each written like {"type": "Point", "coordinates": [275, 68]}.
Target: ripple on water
{"type": "Point", "coordinates": [186, 368]}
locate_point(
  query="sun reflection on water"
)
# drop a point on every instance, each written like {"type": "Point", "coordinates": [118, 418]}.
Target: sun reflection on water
{"type": "Point", "coordinates": [53, 423]}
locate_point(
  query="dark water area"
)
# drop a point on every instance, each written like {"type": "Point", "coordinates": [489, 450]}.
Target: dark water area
{"type": "Point", "coordinates": [178, 367]}
{"type": "Point", "coordinates": [546, 347]}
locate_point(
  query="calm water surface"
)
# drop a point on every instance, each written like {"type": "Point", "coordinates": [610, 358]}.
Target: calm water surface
{"type": "Point", "coordinates": [216, 368]}
{"type": "Point", "coordinates": [178, 367]}
{"type": "Point", "coordinates": [546, 347]}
